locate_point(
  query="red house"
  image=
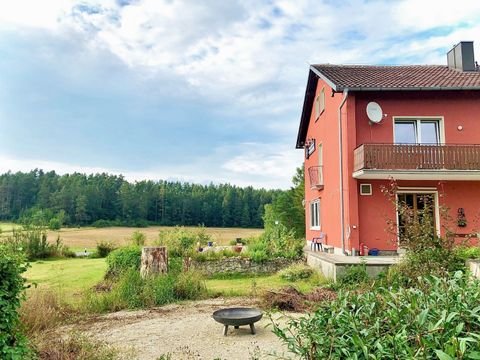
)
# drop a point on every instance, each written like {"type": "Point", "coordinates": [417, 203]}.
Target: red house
{"type": "Point", "coordinates": [364, 126]}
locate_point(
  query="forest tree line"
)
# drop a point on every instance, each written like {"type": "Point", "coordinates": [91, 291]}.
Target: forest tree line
{"type": "Point", "coordinates": [80, 199]}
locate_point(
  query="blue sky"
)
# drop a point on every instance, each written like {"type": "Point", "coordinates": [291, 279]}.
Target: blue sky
{"type": "Point", "coordinates": [201, 91]}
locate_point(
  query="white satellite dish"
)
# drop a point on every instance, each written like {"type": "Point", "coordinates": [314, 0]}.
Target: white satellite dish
{"type": "Point", "coordinates": [374, 112]}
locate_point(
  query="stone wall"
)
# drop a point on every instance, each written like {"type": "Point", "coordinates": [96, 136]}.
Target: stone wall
{"type": "Point", "coordinates": [240, 265]}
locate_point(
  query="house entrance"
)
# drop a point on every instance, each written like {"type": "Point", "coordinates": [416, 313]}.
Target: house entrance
{"type": "Point", "coordinates": [417, 211]}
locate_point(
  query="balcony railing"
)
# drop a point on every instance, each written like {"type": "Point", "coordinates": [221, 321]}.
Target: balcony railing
{"type": "Point", "coordinates": [315, 174]}
{"type": "Point", "coordinates": [416, 157]}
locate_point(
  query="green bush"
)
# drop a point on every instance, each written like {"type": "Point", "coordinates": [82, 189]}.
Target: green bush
{"type": "Point", "coordinates": [438, 320]}
{"type": "Point", "coordinates": [104, 248]}
{"type": "Point", "coordinates": [54, 224]}
{"type": "Point", "coordinates": [296, 272]}
{"type": "Point", "coordinates": [190, 285]}
{"type": "Point", "coordinates": [138, 238]}
{"type": "Point", "coordinates": [103, 223]}
{"type": "Point", "coordinates": [13, 344]}
{"type": "Point", "coordinates": [214, 255]}
{"type": "Point", "coordinates": [353, 276]}
{"type": "Point", "coordinates": [130, 291]}
{"type": "Point", "coordinates": [275, 242]}
{"type": "Point", "coordinates": [466, 253]}
{"type": "Point", "coordinates": [32, 240]}
{"type": "Point", "coordinates": [182, 242]}
{"type": "Point", "coordinates": [123, 259]}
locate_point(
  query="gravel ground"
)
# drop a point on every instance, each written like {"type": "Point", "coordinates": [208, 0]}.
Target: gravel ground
{"type": "Point", "coordinates": [186, 331]}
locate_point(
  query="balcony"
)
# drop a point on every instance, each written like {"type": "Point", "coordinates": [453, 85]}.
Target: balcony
{"type": "Point", "coordinates": [417, 162]}
{"type": "Point", "coordinates": [315, 174]}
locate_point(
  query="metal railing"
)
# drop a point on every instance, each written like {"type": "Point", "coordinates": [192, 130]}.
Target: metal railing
{"type": "Point", "coordinates": [315, 174]}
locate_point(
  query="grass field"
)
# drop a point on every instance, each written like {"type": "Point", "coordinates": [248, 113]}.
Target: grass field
{"type": "Point", "coordinates": [67, 276]}
{"type": "Point", "coordinates": [6, 227]}
{"type": "Point", "coordinates": [70, 277]}
{"type": "Point", "coordinates": [80, 238]}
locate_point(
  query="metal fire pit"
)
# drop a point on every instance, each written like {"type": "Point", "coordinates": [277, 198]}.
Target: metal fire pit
{"type": "Point", "coordinates": [237, 317]}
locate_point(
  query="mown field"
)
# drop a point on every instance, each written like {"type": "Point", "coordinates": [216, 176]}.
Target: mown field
{"type": "Point", "coordinates": [80, 238]}
{"type": "Point", "coordinates": [87, 237]}
{"type": "Point", "coordinates": [7, 227]}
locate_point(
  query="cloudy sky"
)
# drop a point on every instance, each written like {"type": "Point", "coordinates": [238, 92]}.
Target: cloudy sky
{"type": "Point", "coordinates": [201, 91]}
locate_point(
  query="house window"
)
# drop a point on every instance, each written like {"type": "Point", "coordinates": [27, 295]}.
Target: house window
{"type": "Point", "coordinates": [365, 189]}
{"type": "Point", "coordinates": [320, 103]}
{"type": "Point", "coordinates": [417, 131]}
{"type": "Point", "coordinates": [315, 214]}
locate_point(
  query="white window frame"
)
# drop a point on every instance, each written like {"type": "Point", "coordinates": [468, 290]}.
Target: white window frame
{"type": "Point", "coordinates": [418, 119]}
{"type": "Point", "coordinates": [320, 104]}
{"type": "Point", "coordinates": [315, 214]}
{"type": "Point", "coordinates": [369, 192]}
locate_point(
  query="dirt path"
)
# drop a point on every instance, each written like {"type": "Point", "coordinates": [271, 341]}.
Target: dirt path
{"type": "Point", "coordinates": [185, 331]}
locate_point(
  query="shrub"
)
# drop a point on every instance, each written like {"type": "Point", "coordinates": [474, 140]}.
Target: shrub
{"type": "Point", "coordinates": [13, 344]}
{"type": "Point", "coordinates": [214, 255]}
{"type": "Point", "coordinates": [104, 248]}
{"type": "Point", "coordinates": [190, 286]}
{"type": "Point", "coordinates": [105, 223]}
{"type": "Point", "coordinates": [182, 242]}
{"type": "Point", "coordinates": [138, 238]}
{"type": "Point", "coordinates": [131, 291]}
{"type": "Point", "coordinates": [275, 242]}
{"type": "Point", "coordinates": [296, 272]}
{"type": "Point", "coordinates": [466, 253]}
{"type": "Point", "coordinates": [438, 320]}
{"type": "Point", "coordinates": [54, 224]}
{"type": "Point", "coordinates": [353, 275]}
{"type": "Point", "coordinates": [123, 259]}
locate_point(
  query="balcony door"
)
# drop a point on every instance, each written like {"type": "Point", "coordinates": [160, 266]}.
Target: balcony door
{"type": "Point", "coordinates": [417, 131]}
{"type": "Point", "coordinates": [417, 207]}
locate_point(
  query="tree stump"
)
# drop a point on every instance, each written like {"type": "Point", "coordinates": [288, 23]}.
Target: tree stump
{"type": "Point", "coordinates": [154, 261]}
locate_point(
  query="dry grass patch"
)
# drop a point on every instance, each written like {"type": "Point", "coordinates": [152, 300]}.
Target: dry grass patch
{"type": "Point", "coordinates": [79, 238]}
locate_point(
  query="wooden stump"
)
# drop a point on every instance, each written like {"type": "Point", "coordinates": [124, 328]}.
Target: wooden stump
{"type": "Point", "coordinates": [154, 261]}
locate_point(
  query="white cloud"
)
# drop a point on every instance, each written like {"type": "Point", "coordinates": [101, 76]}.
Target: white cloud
{"type": "Point", "coordinates": [257, 166]}
{"type": "Point", "coordinates": [248, 58]}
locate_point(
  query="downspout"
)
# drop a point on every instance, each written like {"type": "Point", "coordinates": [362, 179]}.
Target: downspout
{"type": "Point", "coordinates": [340, 144]}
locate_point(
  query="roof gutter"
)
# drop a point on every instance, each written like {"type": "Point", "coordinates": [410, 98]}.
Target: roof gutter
{"type": "Point", "coordinates": [340, 144]}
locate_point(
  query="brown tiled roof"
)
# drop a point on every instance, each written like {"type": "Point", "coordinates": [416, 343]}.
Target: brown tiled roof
{"type": "Point", "coordinates": [413, 77]}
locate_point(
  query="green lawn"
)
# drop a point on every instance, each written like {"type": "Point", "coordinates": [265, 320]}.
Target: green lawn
{"type": "Point", "coordinates": [246, 286]}
{"type": "Point", "coordinates": [68, 276]}
{"type": "Point", "coordinates": [72, 276]}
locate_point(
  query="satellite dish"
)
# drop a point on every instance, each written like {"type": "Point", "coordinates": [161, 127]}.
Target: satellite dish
{"type": "Point", "coordinates": [374, 112]}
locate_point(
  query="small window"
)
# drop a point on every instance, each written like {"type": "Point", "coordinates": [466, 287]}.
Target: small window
{"type": "Point", "coordinates": [309, 147]}
{"type": "Point", "coordinates": [365, 189]}
{"type": "Point", "coordinates": [315, 214]}
{"type": "Point", "coordinates": [320, 103]}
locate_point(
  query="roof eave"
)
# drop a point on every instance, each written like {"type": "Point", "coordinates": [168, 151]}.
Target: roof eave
{"type": "Point", "coordinates": [325, 78]}
{"type": "Point", "coordinates": [313, 74]}
{"type": "Point", "coordinates": [432, 88]}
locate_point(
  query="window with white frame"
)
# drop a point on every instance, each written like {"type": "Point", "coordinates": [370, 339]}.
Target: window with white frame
{"type": "Point", "coordinates": [417, 131]}
{"type": "Point", "coordinates": [315, 214]}
{"type": "Point", "coordinates": [320, 103]}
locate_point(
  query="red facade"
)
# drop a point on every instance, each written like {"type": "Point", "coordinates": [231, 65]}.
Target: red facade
{"type": "Point", "coordinates": [427, 142]}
